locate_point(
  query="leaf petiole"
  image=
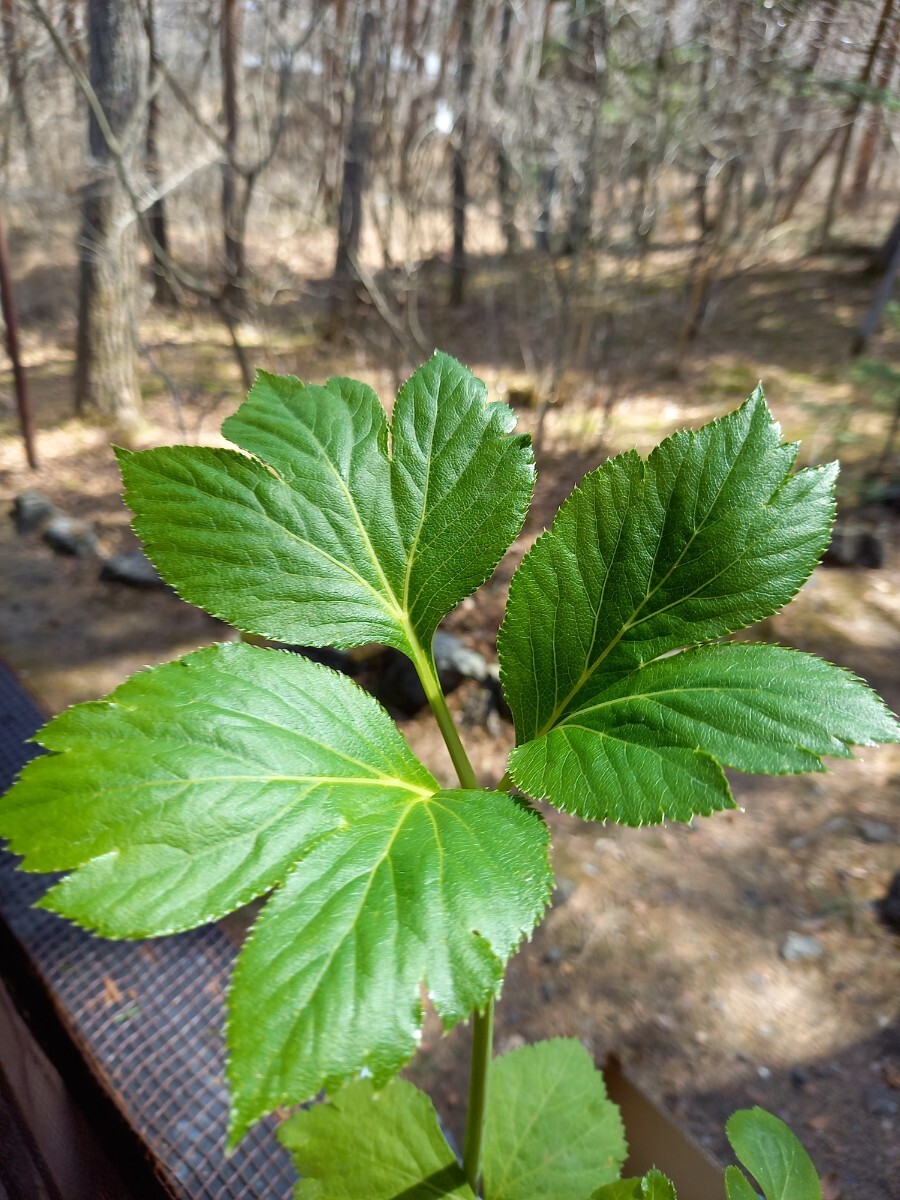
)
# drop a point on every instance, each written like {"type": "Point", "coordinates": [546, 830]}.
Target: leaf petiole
{"type": "Point", "coordinates": [479, 1070]}
{"type": "Point", "coordinates": [482, 1022]}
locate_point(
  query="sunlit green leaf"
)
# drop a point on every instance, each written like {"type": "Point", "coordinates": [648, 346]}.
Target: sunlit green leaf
{"type": "Point", "coordinates": [551, 1133]}
{"type": "Point", "coordinates": [438, 889]}
{"type": "Point", "coordinates": [203, 783]}
{"type": "Point", "coordinates": [338, 530]}
{"type": "Point", "coordinates": [197, 785]}
{"type": "Point", "coordinates": [370, 1145]}
{"type": "Point", "coordinates": [650, 746]}
{"type": "Point", "coordinates": [644, 559]}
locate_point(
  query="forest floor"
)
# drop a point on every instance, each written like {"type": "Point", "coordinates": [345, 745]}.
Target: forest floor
{"type": "Point", "coordinates": [663, 944]}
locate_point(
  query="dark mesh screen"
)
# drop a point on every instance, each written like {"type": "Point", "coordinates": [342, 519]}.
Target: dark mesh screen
{"type": "Point", "coordinates": [148, 1017]}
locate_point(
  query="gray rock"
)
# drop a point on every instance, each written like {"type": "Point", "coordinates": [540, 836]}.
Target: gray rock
{"type": "Point", "coordinates": [133, 568]}
{"type": "Point", "coordinates": [799, 946]}
{"type": "Point", "coordinates": [451, 656]}
{"type": "Point", "coordinates": [880, 1102]}
{"type": "Point", "coordinates": [876, 832]}
{"type": "Point", "coordinates": [564, 890]}
{"type": "Point", "coordinates": [31, 509]}
{"type": "Point", "coordinates": [68, 535]}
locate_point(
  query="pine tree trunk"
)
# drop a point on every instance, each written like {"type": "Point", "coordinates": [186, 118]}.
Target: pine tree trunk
{"type": "Point", "coordinates": [106, 366]}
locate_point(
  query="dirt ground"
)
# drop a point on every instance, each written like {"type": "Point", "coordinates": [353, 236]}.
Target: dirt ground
{"type": "Point", "coordinates": [663, 944]}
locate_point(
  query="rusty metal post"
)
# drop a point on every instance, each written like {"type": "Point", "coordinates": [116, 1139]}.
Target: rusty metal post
{"type": "Point", "coordinates": [8, 308]}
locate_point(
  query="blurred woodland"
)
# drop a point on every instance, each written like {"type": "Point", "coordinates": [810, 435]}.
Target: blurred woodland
{"type": "Point", "coordinates": [535, 184]}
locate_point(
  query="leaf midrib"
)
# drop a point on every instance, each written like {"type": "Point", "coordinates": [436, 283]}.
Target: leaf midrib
{"type": "Point", "coordinates": [631, 623]}
{"type": "Point", "coordinates": [393, 606]}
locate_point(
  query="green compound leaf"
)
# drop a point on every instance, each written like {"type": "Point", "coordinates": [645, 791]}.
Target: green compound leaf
{"type": "Point", "coordinates": [339, 530]}
{"type": "Point", "coordinates": [439, 888]}
{"type": "Point", "coordinates": [205, 782]}
{"type": "Point", "coordinates": [197, 785]}
{"type": "Point", "coordinates": [551, 1133]}
{"type": "Point", "coordinates": [773, 1155]}
{"type": "Point", "coordinates": [653, 1186]}
{"type": "Point", "coordinates": [650, 745]}
{"type": "Point", "coordinates": [709, 535]}
{"type": "Point", "coordinates": [379, 1145]}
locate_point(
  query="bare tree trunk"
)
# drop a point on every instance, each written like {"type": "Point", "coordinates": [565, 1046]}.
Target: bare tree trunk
{"type": "Point", "coordinates": [799, 105]}
{"type": "Point", "coordinates": [356, 158]}
{"type": "Point", "coordinates": [461, 151]}
{"type": "Point", "coordinates": [233, 211]}
{"type": "Point", "coordinates": [804, 176]}
{"type": "Point", "coordinates": [873, 125]}
{"type": "Point", "coordinates": [879, 303]}
{"type": "Point", "coordinates": [106, 358]}
{"type": "Point", "coordinates": [10, 317]}
{"type": "Point", "coordinates": [504, 168]}
{"type": "Point", "coordinates": [852, 114]}
{"type": "Point", "coordinates": [15, 81]}
{"type": "Point", "coordinates": [589, 44]}
{"type": "Point", "coordinates": [163, 293]}
{"type": "Point", "coordinates": [544, 224]}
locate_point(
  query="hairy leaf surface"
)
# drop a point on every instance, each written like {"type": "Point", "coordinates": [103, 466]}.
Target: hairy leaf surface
{"type": "Point", "coordinates": [551, 1133]}
{"type": "Point", "coordinates": [644, 559]}
{"type": "Point", "coordinates": [383, 1145]}
{"type": "Point", "coordinates": [197, 785]}
{"type": "Point", "coordinates": [439, 890]}
{"type": "Point", "coordinates": [339, 530]}
{"type": "Point", "coordinates": [774, 1156]}
{"type": "Point", "coordinates": [650, 746]}
{"type": "Point", "coordinates": [205, 782]}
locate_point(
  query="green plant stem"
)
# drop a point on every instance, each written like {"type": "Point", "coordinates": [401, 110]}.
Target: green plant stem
{"type": "Point", "coordinates": [479, 1069]}
{"type": "Point", "coordinates": [435, 696]}
{"type": "Point", "coordinates": [482, 1023]}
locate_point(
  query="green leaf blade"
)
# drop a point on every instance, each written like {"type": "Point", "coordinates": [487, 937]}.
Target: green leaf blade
{"type": "Point", "coordinates": [773, 1155]}
{"type": "Point", "coordinates": [643, 560]}
{"type": "Point", "coordinates": [706, 537]}
{"type": "Point", "coordinates": [338, 531]}
{"type": "Point", "coordinates": [551, 1133]}
{"type": "Point", "coordinates": [435, 892]}
{"type": "Point", "coordinates": [737, 1185]}
{"type": "Point", "coordinates": [379, 1145]}
{"type": "Point", "coordinates": [462, 484]}
{"type": "Point", "coordinates": [197, 785]}
{"type": "Point", "coordinates": [652, 745]}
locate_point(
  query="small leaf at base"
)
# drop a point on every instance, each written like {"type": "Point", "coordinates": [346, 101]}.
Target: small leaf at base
{"type": "Point", "coordinates": [653, 1186]}
{"type": "Point", "coordinates": [550, 1132]}
{"type": "Point", "coordinates": [737, 1185]}
{"type": "Point", "coordinates": [774, 1156]}
{"type": "Point", "coordinates": [375, 1145]}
